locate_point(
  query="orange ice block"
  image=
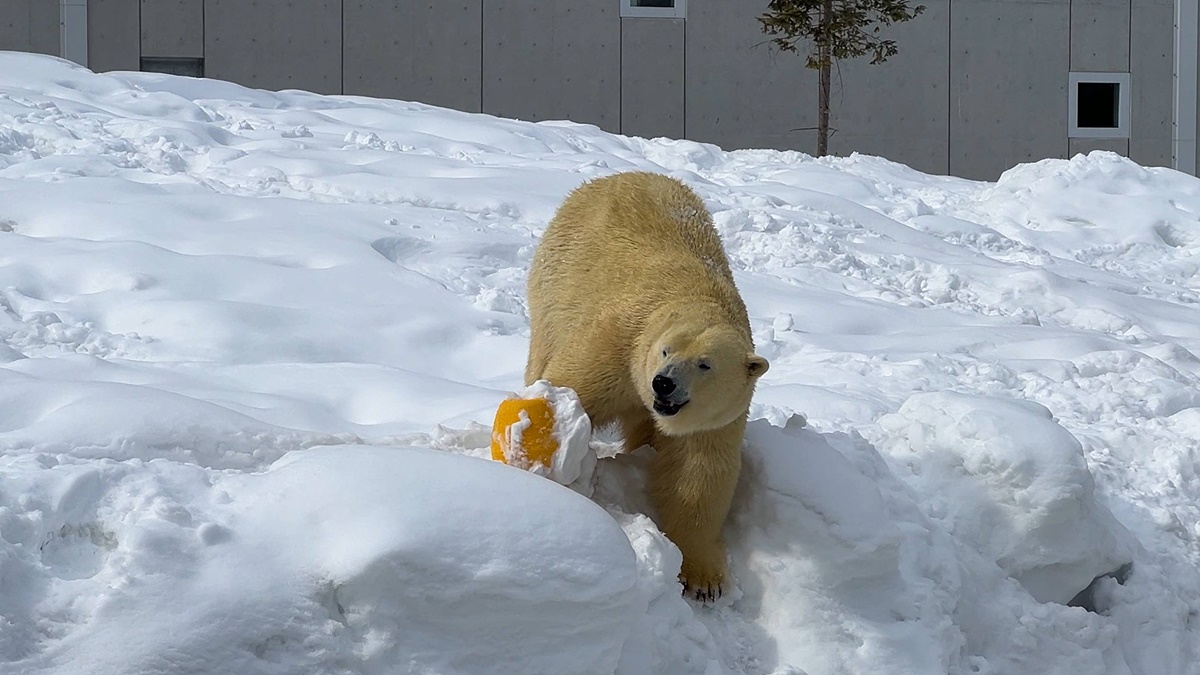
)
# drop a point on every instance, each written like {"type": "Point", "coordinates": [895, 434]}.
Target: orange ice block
{"type": "Point", "coordinates": [523, 433]}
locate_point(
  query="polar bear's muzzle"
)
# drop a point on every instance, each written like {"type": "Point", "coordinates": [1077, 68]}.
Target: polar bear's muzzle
{"type": "Point", "coordinates": [668, 398]}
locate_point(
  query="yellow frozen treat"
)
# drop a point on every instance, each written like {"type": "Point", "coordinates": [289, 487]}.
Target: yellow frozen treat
{"type": "Point", "coordinates": [523, 433]}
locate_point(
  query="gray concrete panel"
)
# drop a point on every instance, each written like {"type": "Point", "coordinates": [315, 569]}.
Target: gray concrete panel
{"type": "Point", "coordinates": [899, 109]}
{"type": "Point", "coordinates": [30, 26]}
{"type": "Point", "coordinates": [652, 77]}
{"type": "Point", "coordinates": [1151, 79]}
{"type": "Point", "coordinates": [1086, 145]}
{"type": "Point", "coordinates": [14, 27]}
{"type": "Point", "coordinates": [275, 44]}
{"type": "Point", "coordinates": [173, 28]}
{"type": "Point", "coordinates": [1100, 36]}
{"type": "Point", "coordinates": [44, 34]}
{"type": "Point", "coordinates": [1008, 84]}
{"type": "Point", "coordinates": [416, 51]}
{"type": "Point", "coordinates": [553, 60]}
{"type": "Point", "coordinates": [741, 92]}
{"type": "Point", "coordinates": [114, 35]}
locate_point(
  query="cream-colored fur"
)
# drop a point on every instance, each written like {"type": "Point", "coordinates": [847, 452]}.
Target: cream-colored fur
{"type": "Point", "coordinates": [630, 282]}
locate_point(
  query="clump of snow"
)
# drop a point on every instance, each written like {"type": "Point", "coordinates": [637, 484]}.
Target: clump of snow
{"type": "Point", "coordinates": [574, 460]}
{"type": "Point", "coordinates": [251, 344]}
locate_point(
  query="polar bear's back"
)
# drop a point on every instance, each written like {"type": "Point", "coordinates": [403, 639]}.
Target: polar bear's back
{"type": "Point", "coordinates": [630, 227]}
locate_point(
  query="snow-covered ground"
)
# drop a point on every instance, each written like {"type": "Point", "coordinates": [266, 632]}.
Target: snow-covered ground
{"type": "Point", "coordinates": [251, 345]}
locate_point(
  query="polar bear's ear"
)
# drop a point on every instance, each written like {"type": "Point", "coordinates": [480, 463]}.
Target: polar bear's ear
{"type": "Point", "coordinates": [756, 365]}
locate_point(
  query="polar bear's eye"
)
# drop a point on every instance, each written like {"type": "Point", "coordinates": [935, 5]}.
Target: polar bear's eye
{"type": "Point", "coordinates": [665, 351]}
{"type": "Point", "coordinates": [704, 365]}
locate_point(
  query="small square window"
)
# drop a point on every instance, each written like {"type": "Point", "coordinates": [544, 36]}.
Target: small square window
{"type": "Point", "coordinates": [173, 65]}
{"type": "Point", "coordinates": [1099, 105]}
{"type": "Point", "coordinates": [654, 9]}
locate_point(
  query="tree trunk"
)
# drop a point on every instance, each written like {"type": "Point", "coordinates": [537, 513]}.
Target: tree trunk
{"type": "Point", "coordinates": [824, 75]}
{"type": "Point", "coordinates": [823, 113]}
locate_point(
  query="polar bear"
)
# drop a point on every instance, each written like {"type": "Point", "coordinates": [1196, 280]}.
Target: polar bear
{"type": "Point", "coordinates": [632, 304]}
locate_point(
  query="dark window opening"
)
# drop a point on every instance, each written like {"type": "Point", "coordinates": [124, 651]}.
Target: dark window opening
{"type": "Point", "coordinates": [1098, 105]}
{"type": "Point", "coordinates": [173, 65]}
{"type": "Point", "coordinates": [654, 3]}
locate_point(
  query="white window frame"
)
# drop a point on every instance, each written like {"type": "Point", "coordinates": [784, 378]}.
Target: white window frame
{"type": "Point", "coordinates": [1122, 128]}
{"type": "Point", "coordinates": [629, 10]}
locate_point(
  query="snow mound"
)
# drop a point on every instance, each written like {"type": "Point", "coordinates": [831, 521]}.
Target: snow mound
{"type": "Point", "coordinates": [449, 564]}
{"type": "Point", "coordinates": [1006, 479]}
{"type": "Point", "coordinates": [829, 542]}
{"type": "Point", "coordinates": [490, 575]}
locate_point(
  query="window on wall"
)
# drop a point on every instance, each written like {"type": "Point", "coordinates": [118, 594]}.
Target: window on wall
{"type": "Point", "coordinates": [654, 9]}
{"type": "Point", "coordinates": [191, 67]}
{"type": "Point", "coordinates": [1099, 105]}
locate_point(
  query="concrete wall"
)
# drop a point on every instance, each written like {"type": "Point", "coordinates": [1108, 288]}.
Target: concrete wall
{"type": "Point", "coordinates": [1001, 115]}
{"type": "Point", "coordinates": [172, 28]}
{"type": "Point", "coordinates": [978, 85]}
{"type": "Point", "coordinates": [114, 35]}
{"type": "Point", "coordinates": [652, 77]}
{"type": "Point", "coordinates": [1100, 35]}
{"type": "Point", "coordinates": [1151, 67]}
{"type": "Point", "coordinates": [553, 60]}
{"type": "Point", "coordinates": [275, 44]}
{"type": "Point", "coordinates": [741, 93]}
{"type": "Point", "coordinates": [30, 26]}
{"type": "Point", "coordinates": [425, 51]}
{"type": "Point", "coordinates": [1085, 145]}
{"type": "Point", "coordinates": [901, 108]}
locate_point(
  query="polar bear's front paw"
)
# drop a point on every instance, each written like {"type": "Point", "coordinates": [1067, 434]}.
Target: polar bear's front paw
{"type": "Point", "coordinates": [703, 583]}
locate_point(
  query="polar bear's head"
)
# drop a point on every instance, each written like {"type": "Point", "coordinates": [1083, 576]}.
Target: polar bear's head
{"type": "Point", "coordinates": [697, 377]}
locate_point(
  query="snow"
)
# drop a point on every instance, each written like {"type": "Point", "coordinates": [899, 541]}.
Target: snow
{"type": "Point", "coordinates": [251, 344]}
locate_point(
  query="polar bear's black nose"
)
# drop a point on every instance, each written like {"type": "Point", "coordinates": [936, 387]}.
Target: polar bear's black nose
{"type": "Point", "coordinates": [662, 385]}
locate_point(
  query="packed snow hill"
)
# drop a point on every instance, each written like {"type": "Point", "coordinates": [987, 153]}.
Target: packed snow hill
{"type": "Point", "coordinates": [251, 345]}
